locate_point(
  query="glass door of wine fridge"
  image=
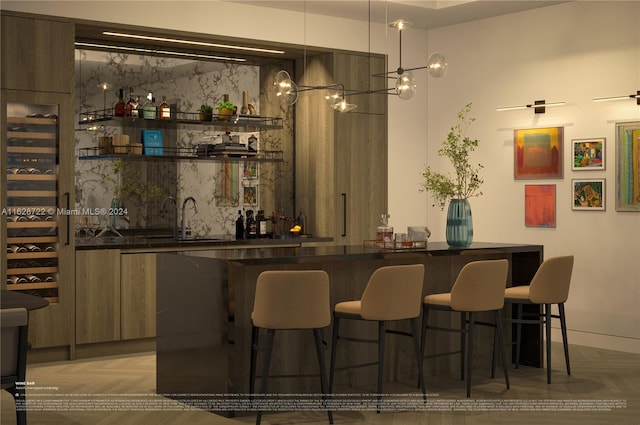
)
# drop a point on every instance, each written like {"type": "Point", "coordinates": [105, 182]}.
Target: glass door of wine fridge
{"type": "Point", "coordinates": [31, 208]}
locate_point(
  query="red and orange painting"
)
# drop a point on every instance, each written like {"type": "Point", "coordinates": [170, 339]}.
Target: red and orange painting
{"type": "Point", "coordinates": [538, 153]}
{"type": "Point", "coordinates": [540, 205]}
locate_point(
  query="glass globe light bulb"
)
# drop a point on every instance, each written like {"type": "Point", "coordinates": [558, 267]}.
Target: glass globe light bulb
{"type": "Point", "coordinates": [333, 97]}
{"type": "Point", "coordinates": [437, 65]}
{"type": "Point", "coordinates": [406, 86]}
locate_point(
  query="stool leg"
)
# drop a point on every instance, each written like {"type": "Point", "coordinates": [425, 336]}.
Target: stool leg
{"type": "Point", "coordinates": [470, 352]}
{"type": "Point", "coordinates": [493, 353]}
{"type": "Point", "coordinates": [547, 320]}
{"type": "Point", "coordinates": [265, 368]}
{"type": "Point", "coordinates": [518, 335]}
{"type": "Point", "coordinates": [317, 334]}
{"type": "Point", "coordinates": [334, 346]}
{"type": "Point", "coordinates": [423, 343]}
{"type": "Point", "coordinates": [419, 360]}
{"type": "Point", "coordinates": [500, 338]}
{"type": "Point", "coordinates": [381, 335]}
{"type": "Point", "coordinates": [463, 324]}
{"type": "Point", "coordinates": [255, 334]}
{"type": "Point", "coordinates": [563, 326]}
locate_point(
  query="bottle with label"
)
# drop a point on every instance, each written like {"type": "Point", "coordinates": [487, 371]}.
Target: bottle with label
{"type": "Point", "coordinates": [253, 144]}
{"type": "Point", "coordinates": [262, 224]}
{"type": "Point", "coordinates": [164, 111]}
{"type": "Point", "coordinates": [149, 108]}
{"type": "Point", "coordinates": [120, 106]}
{"type": "Point", "coordinates": [240, 226]}
{"type": "Point", "coordinates": [131, 108]}
{"type": "Point", "coordinates": [384, 232]}
{"type": "Point", "coordinates": [252, 231]}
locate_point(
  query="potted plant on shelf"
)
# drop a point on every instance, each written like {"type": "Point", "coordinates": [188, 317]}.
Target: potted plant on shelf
{"type": "Point", "coordinates": [225, 110]}
{"type": "Point", "coordinates": [205, 112]}
{"type": "Point", "coordinates": [459, 187]}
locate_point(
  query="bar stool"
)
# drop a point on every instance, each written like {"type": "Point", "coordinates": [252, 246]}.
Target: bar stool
{"type": "Point", "coordinates": [392, 293]}
{"type": "Point", "coordinates": [550, 285]}
{"type": "Point", "coordinates": [15, 325]}
{"type": "Point", "coordinates": [479, 287]}
{"type": "Point", "coordinates": [289, 299]}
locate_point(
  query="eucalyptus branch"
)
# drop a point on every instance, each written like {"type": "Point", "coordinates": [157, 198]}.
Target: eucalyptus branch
{"type": "Point", "coordinates": [457, 147]}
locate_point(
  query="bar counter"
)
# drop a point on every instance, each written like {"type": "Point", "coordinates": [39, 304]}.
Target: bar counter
{"type": "Point", "coordinates": [205, 299]}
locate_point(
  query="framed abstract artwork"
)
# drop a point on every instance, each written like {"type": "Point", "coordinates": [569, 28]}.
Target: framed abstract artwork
{"type": "Point", "coordinates": [540, 205]}
{"type": "Point", "coordinates": [588, 154]}
{"type": "Point", "coordinates": [589, 194]}
{"type": "Point", "coordinates": [628, 166]}
{"type": "Point", "coordinates": [538, 153]}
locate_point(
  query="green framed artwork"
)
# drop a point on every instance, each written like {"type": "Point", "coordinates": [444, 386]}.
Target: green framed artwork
{"type": "Point", "coordinates": [589, 194]}
{"type": "Point", "coordinates": [538, 153]}
{"type": "Point", "coordinates": [588, 154]}
{"type": "Point", "coordinates": [628, 166]}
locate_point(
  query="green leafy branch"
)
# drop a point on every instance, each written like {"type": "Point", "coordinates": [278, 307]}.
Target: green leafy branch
{"type": "Point", "coordinates": [466, 181]}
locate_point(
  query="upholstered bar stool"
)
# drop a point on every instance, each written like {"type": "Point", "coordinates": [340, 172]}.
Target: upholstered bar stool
{"type": "Point", "coordinates": [479, 287]}
{"type": "Point", "coordinates": [14, 323]}
{"type": "Point", "coordinates": [550, 285]}
{"type": "Point", "coordinates": [289, 299]}
{"type": "Point", "coordinates": [392, 293]}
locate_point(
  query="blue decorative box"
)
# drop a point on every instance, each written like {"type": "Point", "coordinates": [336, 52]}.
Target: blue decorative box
{"type": "Point", "coordinates": [152, 142]}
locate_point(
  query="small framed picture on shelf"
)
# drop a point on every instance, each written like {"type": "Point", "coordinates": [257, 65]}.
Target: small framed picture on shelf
{"type": "Point", "coordinates": [589, 194]}
{"type": "Point", "coordinates": [250, 195]}
{"type": "Point", "coordinates": [588, 154]}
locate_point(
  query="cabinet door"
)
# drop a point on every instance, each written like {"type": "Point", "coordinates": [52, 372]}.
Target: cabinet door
{"type": "Point", "coordinates": [37, 54]}
{"type": "Point", "coordinates": [97, 296]}
{"type": "Point", "coordinates": [361, 175]}
{"type": "Point", "coordinates": [138, 295]}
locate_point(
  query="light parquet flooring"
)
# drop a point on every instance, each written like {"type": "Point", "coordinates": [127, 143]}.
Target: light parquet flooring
{"type": "Point", "coordinates": [598, 376]}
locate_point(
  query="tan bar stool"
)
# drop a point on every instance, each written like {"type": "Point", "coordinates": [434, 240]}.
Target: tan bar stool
{"type": "Point", "coordinates": [550, 285]}
{"type": "Point", "coordinates": [479, 287]}
{"type": "Point", "coordinates": [392, 293]}
{"type": "Point", "coordinates": [289, 299]}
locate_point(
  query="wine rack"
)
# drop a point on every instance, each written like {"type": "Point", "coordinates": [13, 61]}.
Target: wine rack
{"type": "Point", "coordinates": [31, 209]}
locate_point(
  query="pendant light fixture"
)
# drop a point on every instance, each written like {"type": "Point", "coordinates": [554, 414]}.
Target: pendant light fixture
{"type": "Point", "coordinates": [287, 91]}
{"type": "Point", "coordinates": [405, 86]}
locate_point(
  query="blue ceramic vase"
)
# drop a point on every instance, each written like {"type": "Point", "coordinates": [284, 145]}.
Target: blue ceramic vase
{"type": "Point", "coordinates": [459, 224]}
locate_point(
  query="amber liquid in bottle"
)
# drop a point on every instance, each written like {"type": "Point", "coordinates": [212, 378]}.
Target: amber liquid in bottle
{"type": "Point", "coordinates": [131, 108]}
{"type": "Point", "coordinates": [164, 111]}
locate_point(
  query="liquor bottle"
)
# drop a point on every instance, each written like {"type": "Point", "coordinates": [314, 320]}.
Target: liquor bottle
{"type": "Point", "coordinates": [164, 111]}
{"type": "Point", "coordinates": [261, 224]}
{"type": "Point", "coordinates": [251, 225]}
{"type": "Point", "coordinates": [239, 226]}
{"type": "Point", "coordinates": [149, 108]}
{"type": "Point", "coordinates": [302, 222]}
{"type": "Point", "coordinates": [131, 108]}
{"type": "Point", "coordinates": [384, 232]}
{"type": "Point", "coordinates": [120, 106]}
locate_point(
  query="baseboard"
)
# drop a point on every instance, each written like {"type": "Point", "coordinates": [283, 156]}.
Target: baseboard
{"type": "Point", "coordinates": [609, 342]}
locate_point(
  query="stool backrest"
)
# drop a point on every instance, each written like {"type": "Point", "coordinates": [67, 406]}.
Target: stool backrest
{"type": "Point", "coordinates": [393, 293]}
{"type": "Point", "coordinates": [480, 286]}
{"type": "Point", "coordinates": [550, 285]}
{"type": "Point", "coordinates": [292, 299]}
{"type": "Point", "coordinates": [14, 343]}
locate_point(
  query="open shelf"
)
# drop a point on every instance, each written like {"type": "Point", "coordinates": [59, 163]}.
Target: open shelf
{"type": "Point", "coordinates": [172, 154]}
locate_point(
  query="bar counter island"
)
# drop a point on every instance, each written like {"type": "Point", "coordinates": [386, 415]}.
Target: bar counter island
{"type": "Point", "coordinates": [205, 300]}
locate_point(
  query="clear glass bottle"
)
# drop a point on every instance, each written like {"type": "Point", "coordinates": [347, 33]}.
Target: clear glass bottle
{"type": "Point", "coordinates": [164, 111]}
{"type": "Point", "coordinates": [149, 108]}
{"type": "Point", "coordinates": [384, 232]}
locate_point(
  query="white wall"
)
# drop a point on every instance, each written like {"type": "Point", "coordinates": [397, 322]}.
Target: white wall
{"type": "Point", "coordinates": [571, 52]}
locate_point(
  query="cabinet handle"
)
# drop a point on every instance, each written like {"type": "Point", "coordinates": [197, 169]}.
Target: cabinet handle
{"type": "Point", "coordinates": [344, 214]}
{"type": "Point", "coordinates": [68, 198]}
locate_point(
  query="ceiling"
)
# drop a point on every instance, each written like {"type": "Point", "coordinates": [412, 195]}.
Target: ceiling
{"type": "Point", "coordinates": [425, 14]}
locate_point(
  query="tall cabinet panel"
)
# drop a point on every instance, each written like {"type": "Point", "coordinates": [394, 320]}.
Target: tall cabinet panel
{"type": "Point", "coordinates": [37, 188]}
{"type": "Point", "coordinates": [341, 159]}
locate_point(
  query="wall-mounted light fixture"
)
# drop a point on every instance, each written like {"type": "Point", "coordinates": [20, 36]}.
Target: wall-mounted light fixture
{"type": "Point", "coordinates": [538, 106]}
{"type": "Point", "coordinates": [142, 50]}
{"type": "Point", "coordinates": [631, 96]}
{"type": "Point", "coordinates": [405, 86]}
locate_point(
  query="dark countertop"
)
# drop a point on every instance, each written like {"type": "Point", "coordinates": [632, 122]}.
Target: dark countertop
{"type": "Point", "coordinates": [349, 252]}
{"type": "Point", "coordinates": [158, 242]}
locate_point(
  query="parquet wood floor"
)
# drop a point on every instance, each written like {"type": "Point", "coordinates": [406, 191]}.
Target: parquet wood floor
{"type": "Point", "coordinates": [599, 377]}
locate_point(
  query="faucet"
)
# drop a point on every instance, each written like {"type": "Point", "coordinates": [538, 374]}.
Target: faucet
{"type": "Point", "coordinates": [184, 205]}
{"type": "Point", "coordinates": [175, 214]}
